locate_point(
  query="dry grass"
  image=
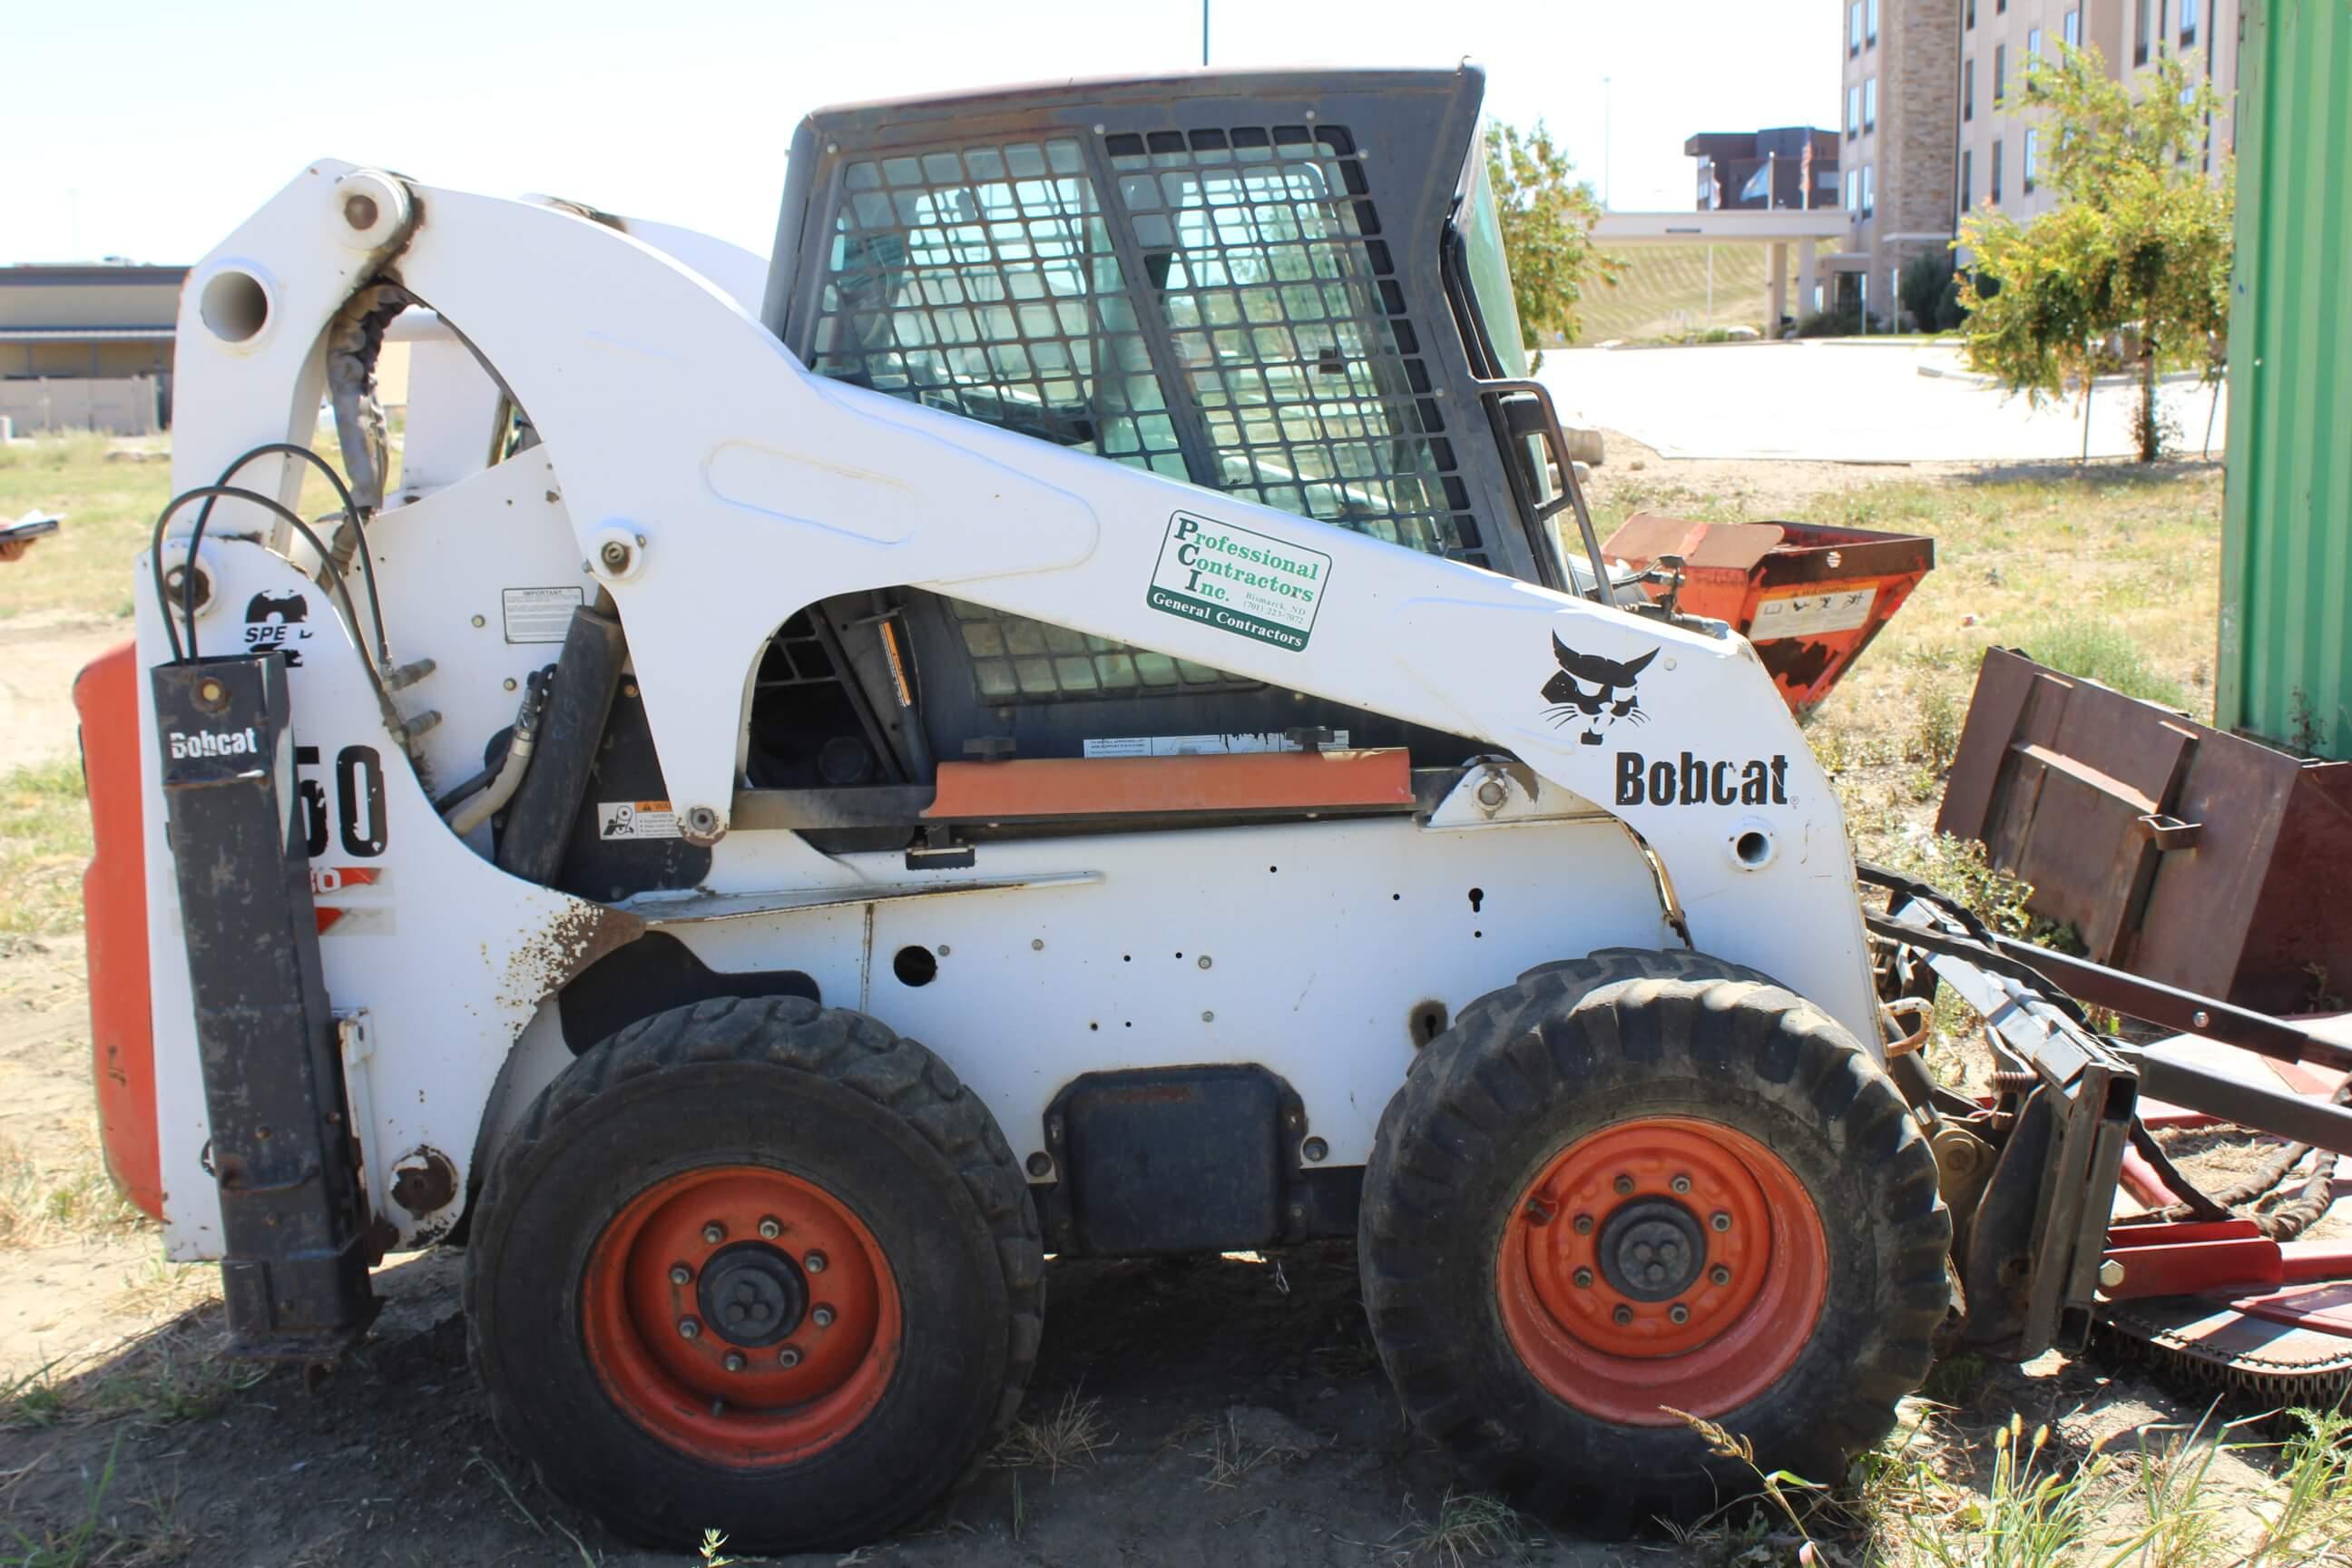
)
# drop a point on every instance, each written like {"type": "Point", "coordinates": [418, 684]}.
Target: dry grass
{"type": "Point", "coordinates": [45, 1201]}
{"type": "Point", "coordinates": [1470, 1527]}
{"type": "Point", "coordinates": [140, 1532]}
{"type": "Point", "coordinates": [1069, 1434]}
{"type": "Point", "coordinates": [1664, 293]}
{"type": "Point", "coordinates": [44, 844]}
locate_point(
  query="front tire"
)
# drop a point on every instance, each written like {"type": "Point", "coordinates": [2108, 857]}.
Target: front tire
{"type": "Point", "coordinates": [756, 1266]}
{"type": "Point", "coordinates": [1639, 1184]}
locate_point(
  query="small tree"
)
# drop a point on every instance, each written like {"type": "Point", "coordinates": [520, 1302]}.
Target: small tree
{"type": "Point", "coordinates": [1547, 220]}
{"type": "Point", "coordinates": [2141, 240]}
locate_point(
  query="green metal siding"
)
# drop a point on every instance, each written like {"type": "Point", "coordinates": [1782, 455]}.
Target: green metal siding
{"type": "Point", "coordinates": [2286, 665]}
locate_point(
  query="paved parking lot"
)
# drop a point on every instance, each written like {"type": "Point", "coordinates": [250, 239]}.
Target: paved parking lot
{"type": "Point", "coordinates": [1846, 401]}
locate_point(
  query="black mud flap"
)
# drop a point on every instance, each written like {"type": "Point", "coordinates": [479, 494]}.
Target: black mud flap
{"type": "Point", "coordinates": [293, 1274]}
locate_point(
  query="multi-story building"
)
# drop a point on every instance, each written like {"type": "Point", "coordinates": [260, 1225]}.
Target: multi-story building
{"type": "Point", "coordinates": [1740, 171]}
{"type": "Point", "coordinates": [2002, 143]}
{"type": "Point", "coordinates": [1936, 125]}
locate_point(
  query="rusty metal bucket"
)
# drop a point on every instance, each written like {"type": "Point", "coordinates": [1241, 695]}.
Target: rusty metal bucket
{"type": "Point", "coordinates": [1810, 597]}
{"type": "Point", "coordinates": [2176, 850]}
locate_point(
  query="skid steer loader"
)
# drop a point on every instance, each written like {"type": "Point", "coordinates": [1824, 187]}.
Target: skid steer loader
{"type": "Point", "coordinates": [1097, 605]}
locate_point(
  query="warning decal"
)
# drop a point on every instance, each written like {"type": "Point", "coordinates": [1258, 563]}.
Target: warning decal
{"type": "Point", "coordinates": [635, 819]}
{"type": "Point", "coordinates": [538, 614]}
{"type": "Point", "coordinates": [1811, 614]}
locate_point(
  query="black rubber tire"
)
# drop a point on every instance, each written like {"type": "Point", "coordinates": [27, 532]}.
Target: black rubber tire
{"type": "Point", "coordinates": [1573, 1048]}
{"type": "Point", "coordinates": [833, 1097]}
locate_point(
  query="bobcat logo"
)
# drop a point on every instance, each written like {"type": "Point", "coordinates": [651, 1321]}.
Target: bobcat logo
{"type": "Point", "coordinates": [1587, 688]}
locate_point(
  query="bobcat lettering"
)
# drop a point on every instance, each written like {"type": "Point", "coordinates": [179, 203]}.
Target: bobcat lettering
{"type": "Point", "coordinates": [1695, 781]}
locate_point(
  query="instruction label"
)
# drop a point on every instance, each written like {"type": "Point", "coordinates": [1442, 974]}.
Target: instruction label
{"type": "Point", "coordinates": [635, 819]}
{"type": "Point", "coordinates": [539, 614]}
{"type": "Point", "coordinates": [1811, 614]}
{"type": "Point", "coordinates": [1200, 745]}
{"type": "Point", "coordinates": [1238, 581]}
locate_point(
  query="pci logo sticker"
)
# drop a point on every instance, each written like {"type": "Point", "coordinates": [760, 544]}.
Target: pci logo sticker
{"type": "Point", "coordinates": [277, 621]}
{"type": "Point", "coordinates": [1251, 585]}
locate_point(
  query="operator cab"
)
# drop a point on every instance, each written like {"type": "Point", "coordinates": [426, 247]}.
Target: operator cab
{"type": "Point", "coordinates": [1290, 286]}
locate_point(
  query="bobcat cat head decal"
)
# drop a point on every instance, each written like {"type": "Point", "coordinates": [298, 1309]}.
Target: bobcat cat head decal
{"type": "Point", "coordinates": [1593, 690]}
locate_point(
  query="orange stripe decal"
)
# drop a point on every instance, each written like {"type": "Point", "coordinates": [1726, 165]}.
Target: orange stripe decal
{"type": "Point", "coordinates": [1131, 786]}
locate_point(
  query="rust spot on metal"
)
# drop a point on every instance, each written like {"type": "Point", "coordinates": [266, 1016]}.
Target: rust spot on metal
{"type": "Point", "coordinates": [424, 1181]}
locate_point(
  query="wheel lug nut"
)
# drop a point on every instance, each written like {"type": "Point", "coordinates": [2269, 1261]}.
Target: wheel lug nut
{"type": "Point", "coordinates": [1719, 1275]}
{"type": "Point", "coordinates": [1623, 1316]}
{"type": "Point", "coordinates": [1584, 1224]}
{"type": "Point", "coordinates": [1678, 1313]}
{"type": "Point", "coordinates": [713, 1234]}
{"type": "Point", "coordinates": [788, 1357]}
{"type": "Point", "coordinates": [733, 1361]}
{"type": "Point", "coordinates": [822, 1317]}
{"type": "Point", "coordinates": [1584, 1279]}
{"type": "Point", "coordinates": [1623, 1185]}
{"type": "Point", "coordinates": [688, 1328]}
{"type": "Point", "coordinates": [1680, 1183]}
{"type": "Point", "coordinates": [680, 1274]}
{"type": "Point", "coordinates": [771, 1229]}
{"type": "Point", "coordinates": [1721, 1221]}
{"type": "Point", "coordinates": [813, 1263]}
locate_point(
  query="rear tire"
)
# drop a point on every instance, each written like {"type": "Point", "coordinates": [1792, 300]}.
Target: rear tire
{"type": "Point", "coordinates": [1616, 1140]}
{"type": "Point", "coordinates": [865, 1314]}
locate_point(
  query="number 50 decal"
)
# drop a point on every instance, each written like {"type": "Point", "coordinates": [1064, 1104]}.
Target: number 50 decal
{"type": "Point", "coordinates": [359, 802]}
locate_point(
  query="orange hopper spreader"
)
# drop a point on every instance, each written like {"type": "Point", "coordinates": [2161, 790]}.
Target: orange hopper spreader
{"type": "Point", "coordinates": [1809, 596]}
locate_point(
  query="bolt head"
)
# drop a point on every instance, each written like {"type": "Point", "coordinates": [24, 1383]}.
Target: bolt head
{"type": "Point", "coordinates": [1491, 794]}
{"type": "Point", "coordinates": [1624, 1186]}
{"type": "Point", "coordinates": [1719, 1275]}
{"type": "Point", "coordinates": [1720, 1220]}
{"type": "Point", "coordinates": [1680, 1183]}
{"type": "Point", "coordinates": [1622, 1316]}
{"type": "Point", "coordinates": [687, 1328]}
{"type": "Point", "coordinates": [1678, 1313]}
{"type": "Point", "coordinates": [1584, 1279]}
{"type": "Point", "coordinates": [2111, 1274]}
{"type": "Point", "coordinates": [1316, 1149]}
{"type": "Point", "coordinates": [615, 554]}
{"type": "Point", "coordinates": [1204, 960]}
{"type": "Point", "coordinates": [814, 1262]}
{"type": "Point", "coordinates": [733, 1361]}
{"type": "Point", "coordinates": [680, 1274]}
{"type": "Point", "coordinates": [1584, 1224]}
{"type": "Point", "coordinates": [2201, 1018]}
{"type": "Point", "coordinates": [822, 1317]}
{"type": "Point", "coordinates": [771, 1229]}
{"type": "Point", "coordinates": [714, 1233]}
{"type": "Point", "coordinates": [360, 212]}
{"type": "Point", "coordinates": [790, 1356]}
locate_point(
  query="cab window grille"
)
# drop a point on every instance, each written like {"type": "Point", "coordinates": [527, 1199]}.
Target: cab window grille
{"type": "Point", "coordinates": [1266, 257]}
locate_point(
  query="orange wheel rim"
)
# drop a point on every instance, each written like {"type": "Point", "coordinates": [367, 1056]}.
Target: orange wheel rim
{"type": "Point", "coordinates": [742, 1315]}
{"type": "Point", "coordinates": [1663, 1261]}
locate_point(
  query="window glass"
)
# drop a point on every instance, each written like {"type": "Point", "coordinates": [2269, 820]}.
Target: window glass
{"type": "Point", "coordinates": [1871, 31]}
{"type": "Point", "coordinates": [1490, 272]}
{"type": "Point", "coordinates": [1870, 104]}
{"type": "Point", "coordinates": [1869, 189]}
{"type": "Point", "coordinates": [2072, 26]}
{"type": "Point", "coordinates": [2032, 45]}
{"type": "Point", "coordinates": [1994, 195]}
{"type": "Point", "coordinates": [1853, 190]}
{"type": "Point", "coordinates": [1968, 178]}
{"type": "Point", "coordinates": [2032, 147]}
{"type": "Point", "coordinates": [1999, 71]}
{"type": "Point", "coordinates": [1968, 89]}
{"type": "Point", "coordinates": [2188, 23]}
{"type": "Point", "coordinates": [1853, 28]}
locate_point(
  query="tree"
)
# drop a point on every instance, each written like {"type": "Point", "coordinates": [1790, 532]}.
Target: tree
{"type": "Point", "coordinates": [1547, 220]}
{"type": "Point", "coordinates": [2140, 245]}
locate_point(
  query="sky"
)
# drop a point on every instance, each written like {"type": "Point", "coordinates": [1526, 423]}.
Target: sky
{"type": "Point", "coordinates": [149, 128]}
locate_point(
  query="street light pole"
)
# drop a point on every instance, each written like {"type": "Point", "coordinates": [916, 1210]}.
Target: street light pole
{"type": "Point", "coordinates": [1607, 160]}
{"type": "Point", "coordinates": [1204, 34]}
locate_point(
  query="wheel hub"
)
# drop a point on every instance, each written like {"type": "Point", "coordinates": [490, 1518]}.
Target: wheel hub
{"type": "Point", "coordinates": [1652, 1249]}
{"type": "Point", "coordinates": [752, 1294]}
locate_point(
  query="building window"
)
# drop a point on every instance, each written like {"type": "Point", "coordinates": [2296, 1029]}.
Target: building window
{"type": "Point", "coordinates": [1869, 189]}
{"type": "Point", "coordinates": [1999, 71]}
{"type": "Point", "coordinates": [1968, 178]}
{"type": "Point", "coordinates": [2001, 7]}
{"type": "Point", "coordinates": [2142, 30]}
{"type": "Point", "coordinates": [2032, 151]}
{"type": "Point", "coordinates": [1870, 104]}
{"type": "Point", "coordinates": [2073, 28]}
{"type": "Point", "coordinates": [1870, 33]}
{"type": "Point", "coordinates": [2188, 22]}
{"type": "Point", "coordinates": [1973, 13]}
{"type": "Point", "coordinates": [1853, 190]}
{"type": "Point", "coordinates": [1853, 111]}
{"type": "Point", "coordinates": [1853, 28]}
{"type": "Point", "coordinates": [2033, 46]}
{"type": "Point", "coordinates": [1968, 89]}
{"type": "Point", "coordinates": [1993, 196]}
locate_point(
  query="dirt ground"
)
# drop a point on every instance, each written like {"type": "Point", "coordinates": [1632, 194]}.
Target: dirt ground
{"type": "Point", "coordinates": [1217, 1411]}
